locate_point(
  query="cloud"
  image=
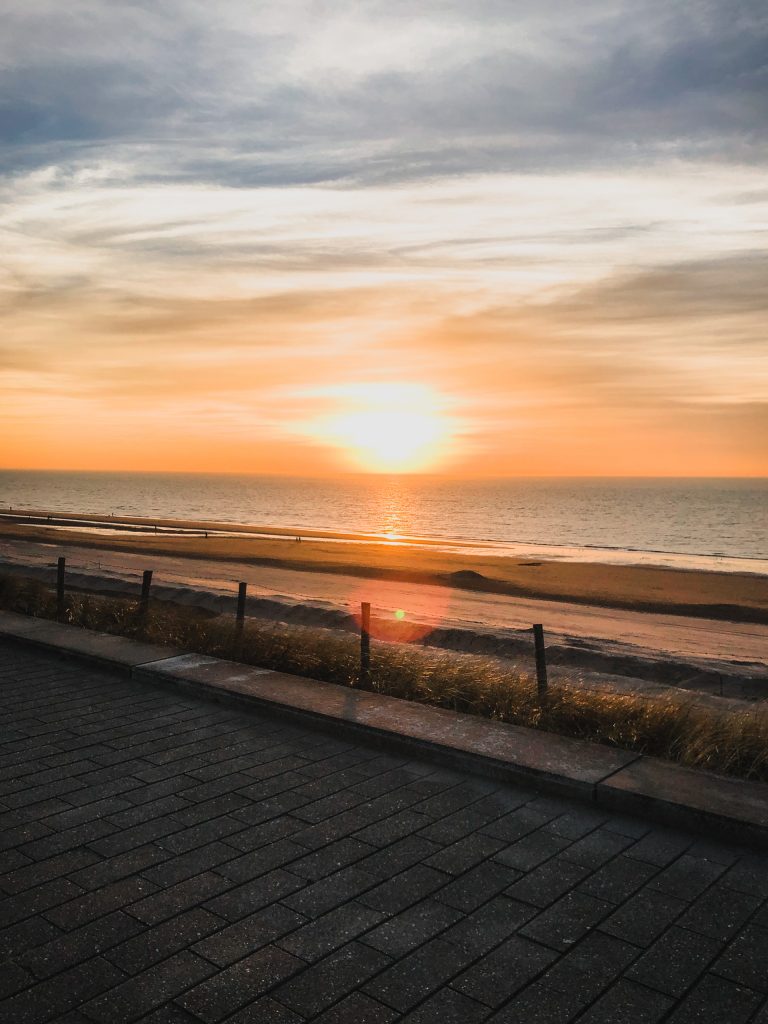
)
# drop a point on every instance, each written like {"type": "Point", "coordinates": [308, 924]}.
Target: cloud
{"type": "Point", "coordinates": [300, 93]}
{"type": "Point", "coordinates": [550, 212]}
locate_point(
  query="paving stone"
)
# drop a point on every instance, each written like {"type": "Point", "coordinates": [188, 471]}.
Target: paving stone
{"type": "Point", "coordinates": [230, 989]}
{"type": "Point", "coordinates": [95, 904]}
{"type": "Point", "coordinates": [463, 854]}
{"type": "Point", "coordinates": [160, 808]}
{"type": "Point", "coordinates": [23, 935]}
{"type": "Point", "coordinates": [263, 1011]}
{"type": "Point", "coordinates": [617, 880]}
{"type": "Point", "coordinates": [531, 850]}
{"type": "Point", "coordinates": [170, 1013]}
{"type": "Point", "coordinates": [37, 900]}
{"type": "Point", "coordinates": [716, 1001]}
{"type": "Point", "coordinates": [74, 947]}
{"type": "Point", "coordinates": [243, 900]}
{"type": "Point", "coordinates": [503, 972]}
{"type": "Point", "coordinates": [50, 999]}
{"type": "Point", "coordinates": [323, 984]}
{"type": "Point", "coordinates": [575, 824]}
{"type": "Point", "coordinates": [330, 892]}
{"type": "Point", "coordinates": [412, 927]}
{"type": "Point", "coordinates": [249, 934]}
{"type": "Point", "coordinates": [331, 858]}
{"type": "Point", "coordinates": [152, 945]}
{"type": "Point", "coordinates": [123, 865]}
{"type": "Point", "coordinates": [38, 872]}
{"type": "Point", "coordinates": [750, 875]}
{"type": "Point", "coordinates": [25, 833]}
{"type": "Point", "coordinates": [744, 960]}
{"type": "Point", "coordinates": [10, 860]}
{"type": "Point", "coordinates": [254, 838]}
{"type": "Point", "coordinates": [628, 1003]}
{"type": "Point", "coordinates": [404, 889]}
{"type": "Point", "coordinates": [14, 978]}
{"type": "Point", "coordinates": [644, 917]}
{"type": "Point", "coordinates": [538, 1003]}
{"type": "Point", "coordinates": [320, 937]}
{"type": "Point", "coordinates": [548, 882]}
{"type": "Point", "coordinates": [565, 922]}
{"type": "Point", "coordinates": [489, 925]}
{"type": "Point", "coordinates": [357, 1009]}
{"type": "Point", "coordinates": [626, 825]}
{"type": "Point", "coordinates": [153, 987]}
{"type": "Point", "coordinates": [687, 877]}
{"type": "Point", "coordinates": [457, 825]}
{"type": "Point", "coordinates": [185, 865]}
{"type": "Point", "coordinates": [590, 967]}
{"type": "Point", "coordinates": [514, 825]}
{"type": "Point", "coordinates": [64, 816]}
{"type": "Point", "coordinates": [719, 852]}
{"type": "Point", "coordinates": [70, 839]}
{"type": "Point", "coordinates": [413, 978]}
{"type": "Point", "coordinates": [337, 827]}
{"type": "Point", "coordinates": [129, 838]}
{"type": "Point", "coordinates": [598, 847]}
{"type": "Point", "coordinates": [720, 912]}
{"type": "Point", "coordinates": [660, 847]}
{"type": "Point", "coordinates": [396, 858]}
{"type": "Point", "coordinates": [478, 885]}
{"type": "Point", "coordinates": [675, 961]}
{"type": "Point", "coordinates": [184, 895]}
{"type": "Point", "coordinates": [387, 889]}
{"type": "Point", "coordinates": [448, 1007]}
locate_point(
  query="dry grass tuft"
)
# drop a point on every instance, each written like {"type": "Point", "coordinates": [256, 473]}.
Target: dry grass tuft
{"type": "Point", "coordinates": [733, 743]}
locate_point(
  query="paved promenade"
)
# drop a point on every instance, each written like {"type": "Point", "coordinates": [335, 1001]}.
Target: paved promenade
{"type": "Point", "coordinates": [167, 860]}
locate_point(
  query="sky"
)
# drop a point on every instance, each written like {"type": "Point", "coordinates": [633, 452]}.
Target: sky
{"type": "Point", "coordinates": [511, 237]}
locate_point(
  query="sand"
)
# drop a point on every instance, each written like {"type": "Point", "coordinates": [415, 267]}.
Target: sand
{"type": "Point", "coordinates": [735, 597]}
{"type": "Point", "coordinates": [602, 623]}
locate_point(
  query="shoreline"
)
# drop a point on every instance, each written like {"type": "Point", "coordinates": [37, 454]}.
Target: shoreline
{"type": "Point", "coordinates": [658, 558]}
{"type": "Point", "coordinates": [729, 596]}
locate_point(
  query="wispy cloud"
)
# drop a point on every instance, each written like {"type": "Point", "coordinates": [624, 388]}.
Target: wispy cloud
{"type": "Point", "coordinates": [552, 214]}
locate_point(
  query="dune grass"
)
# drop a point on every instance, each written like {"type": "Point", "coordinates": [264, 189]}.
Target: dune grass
{"type": "Point", "coordinates": [729, 742]}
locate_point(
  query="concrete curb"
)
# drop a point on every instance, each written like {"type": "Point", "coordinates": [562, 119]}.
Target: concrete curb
{"type": "Point", "coordinates": [614, 779]}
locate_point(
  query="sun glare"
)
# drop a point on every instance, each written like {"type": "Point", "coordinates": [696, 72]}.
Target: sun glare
{"type": "Point", "coordinates": [390, 428]}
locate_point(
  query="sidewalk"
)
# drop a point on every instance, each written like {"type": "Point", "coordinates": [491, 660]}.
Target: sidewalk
{"type": "Point", "coordinates": [168, 859]}
{"type": "Point", "coordinates": [604, 776]}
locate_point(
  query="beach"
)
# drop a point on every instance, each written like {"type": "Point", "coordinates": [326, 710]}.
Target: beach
{"type": "Point", "coordinates": [729, 596]}
{"type": "Point", "coordinates": [630, 626]}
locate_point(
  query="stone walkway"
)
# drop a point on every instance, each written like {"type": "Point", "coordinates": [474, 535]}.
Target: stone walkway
{"type": "Point", "coordinates": [164, 859]}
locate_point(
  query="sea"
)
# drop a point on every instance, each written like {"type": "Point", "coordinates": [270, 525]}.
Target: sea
{"type": "Point", "coordinates": [691, 523]}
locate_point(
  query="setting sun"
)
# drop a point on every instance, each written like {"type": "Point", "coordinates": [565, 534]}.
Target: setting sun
{"type": "Point", "coordinates": [389, 428]}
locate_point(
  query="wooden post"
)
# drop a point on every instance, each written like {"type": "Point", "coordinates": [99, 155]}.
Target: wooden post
{"type": "Point", "coordinates": [241, 592]}
{"type": "Point", "coordinates": [541, 662]}
{"type": "Point", "coordinates": [60, 569]}
{"type": "Point", "coordinates": [365, 645]}
{"type": "Point", "coordinates": [242, 588]}
{"type": "Point", "coordinates": [146, 583]}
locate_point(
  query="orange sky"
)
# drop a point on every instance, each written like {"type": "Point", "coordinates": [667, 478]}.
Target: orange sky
{"type": "Point", "coordinates": [282, 266]}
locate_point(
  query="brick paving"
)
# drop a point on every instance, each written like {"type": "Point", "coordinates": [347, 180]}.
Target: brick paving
{"type": "Point", "coordinates": [169, 860]}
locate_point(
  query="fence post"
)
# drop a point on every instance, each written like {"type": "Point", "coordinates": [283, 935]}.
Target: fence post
{"type": "Point", "coordinates": [541, 662]}
{"type": "Point", "coordinates": [146, 583]}
{"type": "Point", "coordinates": [242, 588]}
{"type": "Point", "coordinates": [365, 645]}
{"type": "Point", "coordinates": [60, 569]}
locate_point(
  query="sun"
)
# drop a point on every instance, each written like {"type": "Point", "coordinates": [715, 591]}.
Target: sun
{"type": "Point", "coordinates": [390, 428]}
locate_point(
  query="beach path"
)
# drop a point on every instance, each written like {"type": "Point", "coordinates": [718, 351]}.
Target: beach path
{"type": "Point", "coordinates": [735, 645]}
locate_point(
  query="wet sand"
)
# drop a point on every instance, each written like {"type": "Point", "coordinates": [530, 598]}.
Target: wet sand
{"type": "Point", "coordinates": [725, 596]}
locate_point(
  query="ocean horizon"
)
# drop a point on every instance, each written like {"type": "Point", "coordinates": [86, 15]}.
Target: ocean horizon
{"type": "Point", "coordinates": [694, 522]}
